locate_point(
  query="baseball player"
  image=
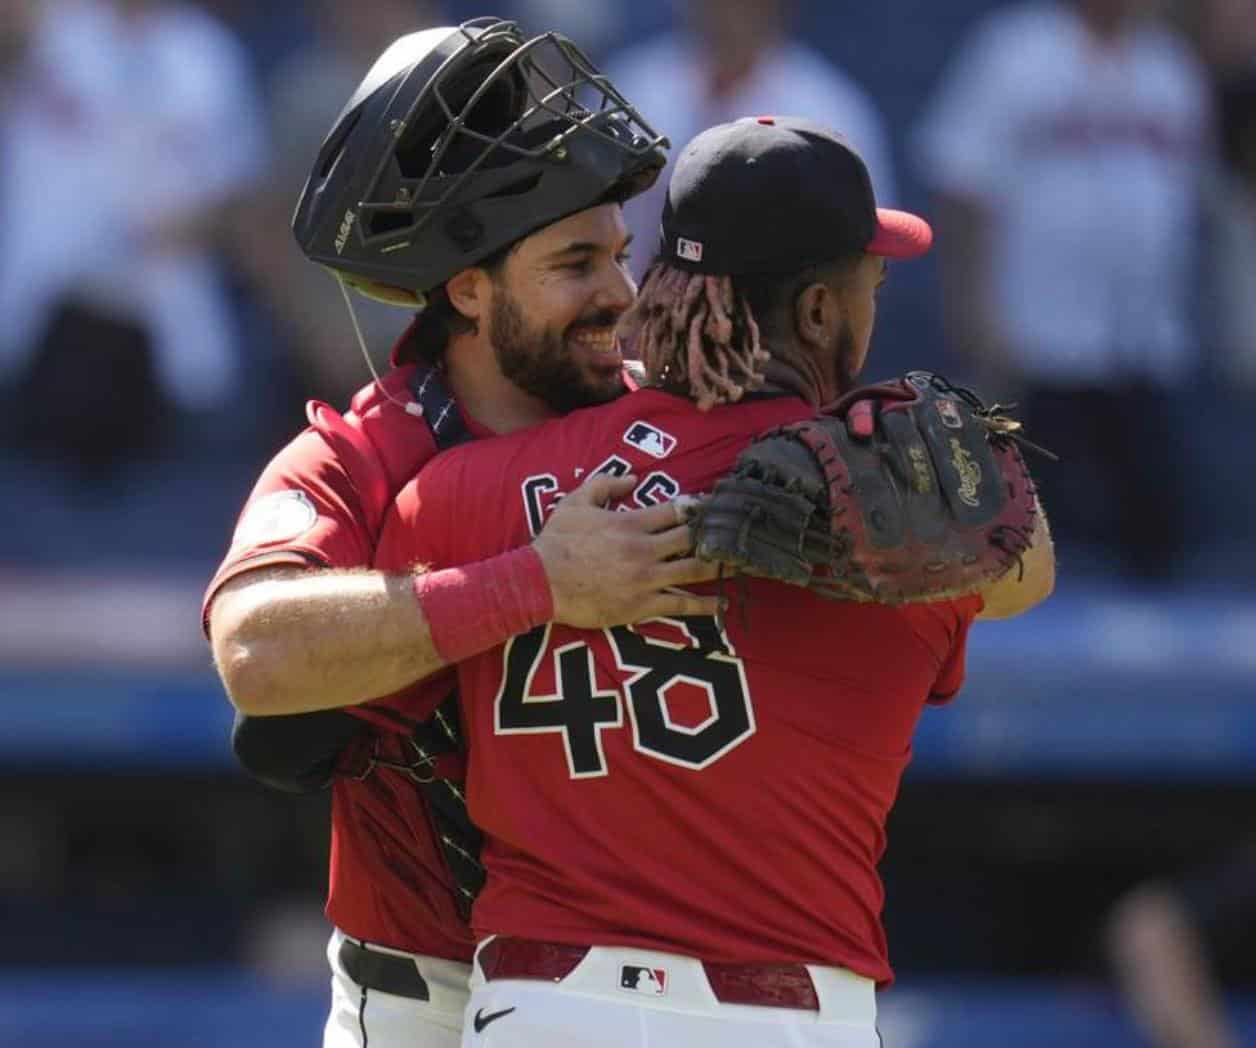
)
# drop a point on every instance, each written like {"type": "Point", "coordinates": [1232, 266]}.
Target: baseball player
{"type": "Point", "coordinates": [683, 817]}
{"type": "Point", "coordinates": [455, 159]}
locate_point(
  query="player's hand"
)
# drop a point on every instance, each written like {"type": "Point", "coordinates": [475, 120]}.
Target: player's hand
{"type": "Point", "coordinates": [607, 568]}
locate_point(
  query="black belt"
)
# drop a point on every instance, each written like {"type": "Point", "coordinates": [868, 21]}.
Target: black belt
{"type": "Point", "coordinates": [386, 972]}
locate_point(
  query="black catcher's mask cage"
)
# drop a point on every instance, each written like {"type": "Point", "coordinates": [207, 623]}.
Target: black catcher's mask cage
{"type": "Point", "coordinates": [478, 140]}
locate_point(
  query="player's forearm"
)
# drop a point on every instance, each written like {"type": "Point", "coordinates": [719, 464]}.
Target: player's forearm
{"type": "Point", "coordinates": [293, 641]}
{"type": "Point", "coordinates": [303, 640]}
{"type": "Point", "coordinates": [289, 640]}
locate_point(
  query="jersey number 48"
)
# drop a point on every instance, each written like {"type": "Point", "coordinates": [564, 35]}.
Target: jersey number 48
{"type": "Point", "coordinates": [581, 712]}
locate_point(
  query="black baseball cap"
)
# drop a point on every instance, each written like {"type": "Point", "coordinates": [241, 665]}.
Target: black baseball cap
{"type": "Point", "coordinates": [774, 194]}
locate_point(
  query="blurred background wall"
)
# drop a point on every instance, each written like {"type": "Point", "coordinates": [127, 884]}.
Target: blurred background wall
{"type": "Point", "coordinates": [1072, 857]}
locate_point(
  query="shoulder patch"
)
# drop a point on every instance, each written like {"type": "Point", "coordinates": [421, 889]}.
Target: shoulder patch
{"type": "Point", "coordinates": [277, 517]}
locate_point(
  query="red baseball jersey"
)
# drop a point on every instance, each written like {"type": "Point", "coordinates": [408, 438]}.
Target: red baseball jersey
{"type": "Point", "coordinates": [671, 785]}
{"type": "Point", "coordinates": [319, 503]}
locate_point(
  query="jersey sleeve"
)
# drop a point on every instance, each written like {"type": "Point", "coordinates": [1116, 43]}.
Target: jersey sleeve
{"type": "Point", "coordinates": [951, 674]}
{"type": "Point", "coordinates": [304, 510]}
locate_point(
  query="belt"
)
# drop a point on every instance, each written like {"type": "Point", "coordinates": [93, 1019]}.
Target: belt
{"type": "Point", "coordinates": [386, 972]}
{"type": "Point", "coordinates": [766, 985]}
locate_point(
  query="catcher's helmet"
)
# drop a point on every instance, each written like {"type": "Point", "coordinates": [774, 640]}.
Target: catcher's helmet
{"type": "Point", "coordinates": [460, 141]}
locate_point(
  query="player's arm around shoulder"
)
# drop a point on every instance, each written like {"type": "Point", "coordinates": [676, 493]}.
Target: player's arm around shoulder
{"type": "Point", "coordinates": [288, 639]}
{"type": "Point", "coordinates": [1028, 585]}
{"type": "Point", "coordinates": [296, 621]}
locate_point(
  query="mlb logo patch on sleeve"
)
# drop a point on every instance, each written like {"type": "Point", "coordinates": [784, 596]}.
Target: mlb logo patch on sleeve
{"type": "Point", "coordinates": [650, 439]}
{"type": "Point", "coordinates": [650, 981]}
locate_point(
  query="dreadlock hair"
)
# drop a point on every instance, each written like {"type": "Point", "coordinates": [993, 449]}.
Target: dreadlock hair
{"type": "Point", "coordinates": [702, 336]}
{"type": "Point", "coordinates": [696, 335]}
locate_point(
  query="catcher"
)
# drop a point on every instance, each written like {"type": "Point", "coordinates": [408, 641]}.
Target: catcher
{"type": "Point", "coordinates": [683, 818]}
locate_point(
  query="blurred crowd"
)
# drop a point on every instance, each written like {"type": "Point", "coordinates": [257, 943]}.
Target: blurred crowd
{"type": "Point", "coordinates": [130, 130]}
{"type": "Point", "coordinates": [1090, 166]}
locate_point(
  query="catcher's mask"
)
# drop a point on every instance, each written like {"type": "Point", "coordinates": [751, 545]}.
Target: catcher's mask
{"type": "Point", "coordinates": [460, 141]}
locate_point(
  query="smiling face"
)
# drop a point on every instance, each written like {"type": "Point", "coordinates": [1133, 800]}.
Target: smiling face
{"type": "Point", "coordinates": [555, 304]}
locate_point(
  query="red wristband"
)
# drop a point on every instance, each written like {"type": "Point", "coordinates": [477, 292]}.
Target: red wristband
{"type": "Point", "coordinates": [477, 607]}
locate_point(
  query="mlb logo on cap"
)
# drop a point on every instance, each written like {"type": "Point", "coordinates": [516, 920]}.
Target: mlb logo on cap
{"type": "Point", "coordinates": [636, 979]}
{"type": "Point", "coordinates": [650, 439]}
{"type": "Point", "coordinates": [689, 250]}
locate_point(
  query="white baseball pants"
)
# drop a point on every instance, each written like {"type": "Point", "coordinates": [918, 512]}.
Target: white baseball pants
{"type": "Point", "coordinates": [368, 1017]}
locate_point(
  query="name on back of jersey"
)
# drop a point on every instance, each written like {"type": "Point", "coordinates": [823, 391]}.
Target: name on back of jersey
{"type": "Point", "coordinates": [541, 492]}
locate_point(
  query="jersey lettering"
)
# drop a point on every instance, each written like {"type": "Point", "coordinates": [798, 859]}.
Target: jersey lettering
{"type": "Point", "coordinates": [657, 487]}
{"type": "Point", "coordinates": [535, 488]}
{"type": "Point", "coordinates": [614, 466]}
{"type": "Point", "coordinates": [577, 709]}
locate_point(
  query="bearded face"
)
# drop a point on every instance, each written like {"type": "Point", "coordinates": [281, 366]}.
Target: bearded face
{"type": "Point", "coordinates": [552, 363]}
{"type": "Point", "coordinates": [555, 303]}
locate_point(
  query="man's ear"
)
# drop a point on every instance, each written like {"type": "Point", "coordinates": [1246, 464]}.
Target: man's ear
{"type": "Point", "coordinates": [817, 315]}
{"type": "Point", "coordinates": [469, 292]}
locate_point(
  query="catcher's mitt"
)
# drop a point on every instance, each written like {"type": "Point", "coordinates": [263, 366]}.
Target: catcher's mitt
{"type": "Point", "coordinates": [906, 490]}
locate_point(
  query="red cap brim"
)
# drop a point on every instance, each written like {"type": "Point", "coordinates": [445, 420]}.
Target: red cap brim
{"type": "Point", "coordinates": [900, 234]}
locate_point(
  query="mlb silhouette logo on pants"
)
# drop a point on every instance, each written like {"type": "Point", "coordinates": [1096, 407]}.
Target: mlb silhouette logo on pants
{"type": "Point", "coordinates": [650, 981]}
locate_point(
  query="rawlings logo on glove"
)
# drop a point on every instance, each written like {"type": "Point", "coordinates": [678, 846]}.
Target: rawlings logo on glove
{"type": "Point", "coordinates": [908, 490]}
